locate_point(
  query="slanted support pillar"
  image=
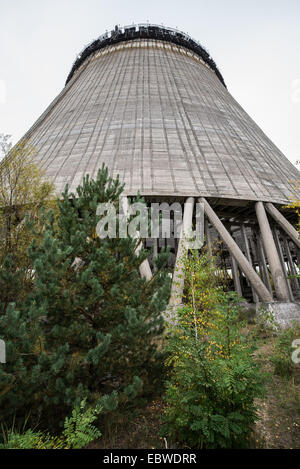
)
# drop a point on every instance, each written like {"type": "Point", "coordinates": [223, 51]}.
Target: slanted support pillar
{"type": "Point", "coordinates": [248, 255]}
{"type": "Point", "coordinates": [233, 248]}
{"type": "Point", "coordinates": [293, 270]}
{"type": "Point", "coordinates": [281, 257]}
{"type": "Point", "coordinates": [155, 252]}
{"type": "Point", "coordinates": [2, 351]}
{"type": "Point", "coordinates": [236, 277]}
{"type": "Point", "coordinates": [278, 276]}
{"type": "Point", "coordinates": [208, 237]}
{"type": "Point", "coordinates": [285, 225]}
{"type": "Point", "coordinates": [263, 264]}
{"type": "Point", "coordinates": [145, 269]}
{"type": "Point", "coordinates": [234, 267]}
{"type": "Point", "coordinates": [178, 276]}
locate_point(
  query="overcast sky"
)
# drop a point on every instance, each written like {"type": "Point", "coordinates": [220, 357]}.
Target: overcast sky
{"type": "Point", "coordinates": [255, 43]}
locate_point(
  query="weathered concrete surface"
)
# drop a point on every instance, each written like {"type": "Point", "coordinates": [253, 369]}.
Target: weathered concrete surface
{"type": "Point", "coordinates": [155, 114]}
{"type": "Point", "coordinates": [256, 282]}
{"type": "Point", "coordinates": [284, 314]}
{"type": "Point", "coordinates": [278, 275]}
{"type": "Point", "coordinates": [170, 315]}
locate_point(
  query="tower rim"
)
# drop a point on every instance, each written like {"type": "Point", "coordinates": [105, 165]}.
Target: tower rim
{"type": "Point", "coordinates": [145, 31]}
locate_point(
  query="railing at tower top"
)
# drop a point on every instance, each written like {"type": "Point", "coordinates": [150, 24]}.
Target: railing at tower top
{"type": "Point", "coordinates": [137, 27]}
{"type": "Point", "coordinates": [145, 30]}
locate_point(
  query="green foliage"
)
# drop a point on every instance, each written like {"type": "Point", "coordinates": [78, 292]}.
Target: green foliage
{"type": "Point", "coordinates": [282, 354]}
{"type": "Point", "coordinates": [23, 191]}
{"type": "Point", "coordinates": [89, 327]}
{"type": "Point", "coordinates": [78, 429]}
{"type": "Point", "coordinates": [30, 440]}
{"type": "Point", "coordinates": [265, 321]}
{"type": "Point", "coordinates": [213, 378]}
{"type": "Point", "coordinates": [78, 433]}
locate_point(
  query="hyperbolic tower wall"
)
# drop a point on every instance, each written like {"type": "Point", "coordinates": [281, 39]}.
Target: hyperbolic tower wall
{"type": "Point", "coordinates": [151, 104]}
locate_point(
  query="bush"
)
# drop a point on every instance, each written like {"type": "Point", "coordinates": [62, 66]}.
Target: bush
{"type": "Point", "coordinates": [23, 191]}
{"type": "Point", "coordinates": [214, 379]}
{"type": "Point", "coordinates": [78, 432]}
{"type": "Point", "coordinates": [90, 325]}
{"type": "Point", "coordinates": [282, 354]}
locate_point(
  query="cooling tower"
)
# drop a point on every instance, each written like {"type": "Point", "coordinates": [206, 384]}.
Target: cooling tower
{"type": "Point", "coordinates": [151, 104]}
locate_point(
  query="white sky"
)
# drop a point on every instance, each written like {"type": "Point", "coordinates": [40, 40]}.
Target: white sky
{"type": "Point", "coordinates": [255, 43]}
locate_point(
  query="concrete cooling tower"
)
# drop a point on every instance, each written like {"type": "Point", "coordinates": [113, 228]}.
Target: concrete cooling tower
{"type": "Point", "coordinates": [151, 104]}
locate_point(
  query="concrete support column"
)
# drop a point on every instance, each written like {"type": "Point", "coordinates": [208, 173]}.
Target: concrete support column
{"type": "Point", "coordinates": [236, 276]}
{"type": "Point", "coordinates": [242, 261]}
{"type": "Point", "coordinates": [281, 257]}
{"type": "Point", "coordinates": [207, 237]}
{"type": "Point", "coordinates": [256, 254]}
{"type": "Point", "coordinates": [155, 252]}
{"type": "Point", "coordinates": [298, 256]}
{"type": "Point", "coordinates": [145, 269]}
{"type": "Point", "coordinates": [178, 276]}
{"type": "Point", "coordinates": [234, 266]}
{"type": "Point", "coordinates": [248, 255]}
{"type": "Point", "coordinates": [278, 276]}
{"type": "Point", "coordinates": [295, 281]}
{"type": "Point", "coordinates": [285, 225]}
{"type": "Point", "coordinates": [263, 264]}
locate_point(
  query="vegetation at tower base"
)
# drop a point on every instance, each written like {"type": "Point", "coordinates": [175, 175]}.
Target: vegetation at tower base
{"type": "Point", "coordinates": [283, 350]}
{"type": "Point", "coordinates": [23, 192]}
{"type": "Point", "coordinates": [78, 432]}
{"type": "Point", "coordinates": [213, 377]}
{"type": "Point", "coordinates": [87, 330]}
{"type": "Point", "coordinates": [281, 356]}
{"type": "Point", "coordinates": [295, 202]}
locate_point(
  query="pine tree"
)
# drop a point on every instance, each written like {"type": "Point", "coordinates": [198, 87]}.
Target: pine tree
{"type": "Point", "coordinates": [98, 320]}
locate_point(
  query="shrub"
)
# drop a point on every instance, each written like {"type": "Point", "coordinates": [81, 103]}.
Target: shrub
{"type": "Point", "coordinates": [90, 325]}
{"type": "Point", "coordinates": [265, 321]}
{"type": "Point", "coordinates": [213, 380]}
{"type": "Point", "coordinates": [282, 353]}
{"type": "Point", "coordinates": [23, 191]}
{"type": "Point", "coordinates": [78, 432]}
